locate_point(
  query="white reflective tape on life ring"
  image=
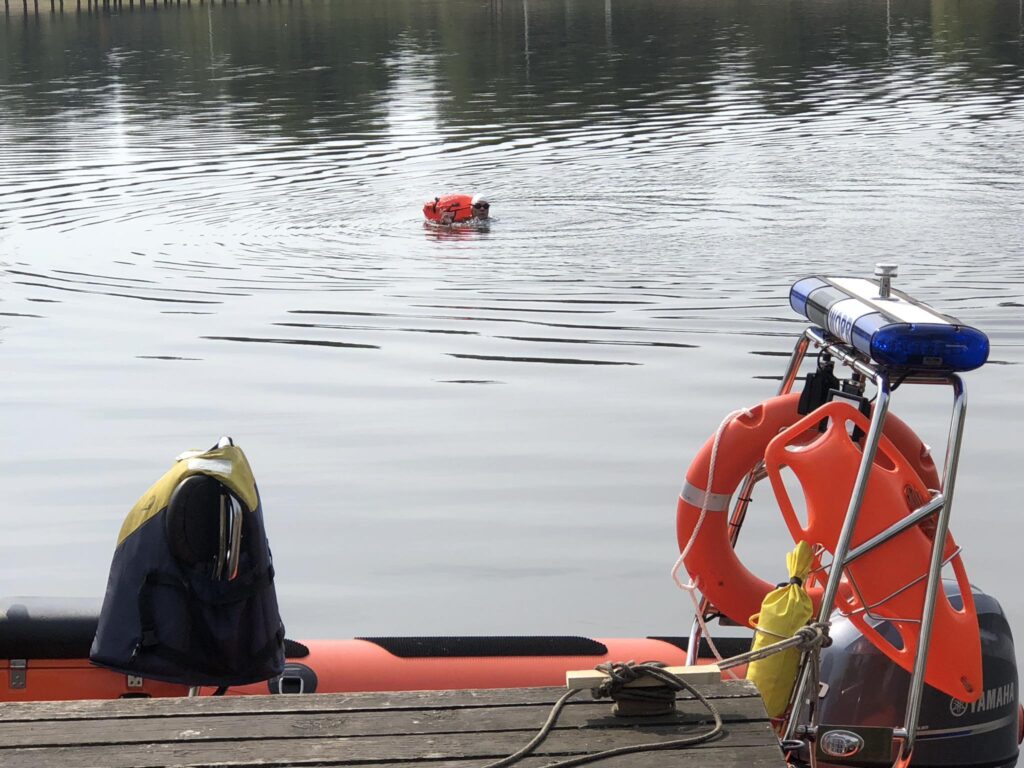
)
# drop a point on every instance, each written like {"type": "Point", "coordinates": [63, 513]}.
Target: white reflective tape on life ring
{"type": "Point", "coordinates": [716, 502]}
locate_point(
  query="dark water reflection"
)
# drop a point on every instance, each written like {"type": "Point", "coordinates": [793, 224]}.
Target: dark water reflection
{"type": "Point", "coordinates": [210, 223]}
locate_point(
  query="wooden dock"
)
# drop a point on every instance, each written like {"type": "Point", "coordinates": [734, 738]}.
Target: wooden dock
{"type": "Point", "coordinates": [448, 729]}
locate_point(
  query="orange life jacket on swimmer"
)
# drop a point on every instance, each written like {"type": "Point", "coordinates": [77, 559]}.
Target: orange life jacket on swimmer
{"type": "Point", "coordinates": [887, 583]}
{"type": "Point", "coordinates": [449, 209]}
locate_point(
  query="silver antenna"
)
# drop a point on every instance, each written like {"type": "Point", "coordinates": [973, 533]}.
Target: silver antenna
{"type": "Point", "coordinates": [885, 273]}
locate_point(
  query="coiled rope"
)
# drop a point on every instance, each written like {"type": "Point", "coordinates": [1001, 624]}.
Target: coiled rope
{"type": "Point", "coordinates": [619, 674]}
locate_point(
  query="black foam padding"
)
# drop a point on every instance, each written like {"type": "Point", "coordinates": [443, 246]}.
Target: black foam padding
{"type": "Point", "coordinates": [47, 628]}
{"type": "Point", "coordinates": [193, 519]}
{"type": "Point", "coordinates": [63, 628]}
{"type": "Point", "coordinates": [727, 646]}
{"type": "Point", "coordinates": [294, 649]}
{"type": "Point", "coordinates": [454, 647]}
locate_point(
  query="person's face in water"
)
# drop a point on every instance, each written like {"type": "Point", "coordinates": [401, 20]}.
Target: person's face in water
{"type": "Point", "coordinates": [481, 209]}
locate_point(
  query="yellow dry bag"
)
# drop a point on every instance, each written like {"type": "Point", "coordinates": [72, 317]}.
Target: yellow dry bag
{"type": "Point", "coordinates": [783, 612]}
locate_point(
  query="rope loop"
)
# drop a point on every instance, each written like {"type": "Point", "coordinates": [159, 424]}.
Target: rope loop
{"type": "Point", "coordinates": [619, 673]}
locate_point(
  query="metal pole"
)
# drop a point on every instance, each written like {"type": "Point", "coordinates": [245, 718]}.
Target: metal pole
{"type": "Point", "coordinates": [914, 518]}
{"type": "Point", "coordinates": [845, 537]}
{"type": "Point", "coordinates": [845, 356]}
{"type": "Point", "coordinates": [799, 352]}
{"type": "Point", "coordinates": [885, 273]}
{"type": "Point", "coordinates": [956, 434]}
{"type": "Point", "coordinates": [693, 645]}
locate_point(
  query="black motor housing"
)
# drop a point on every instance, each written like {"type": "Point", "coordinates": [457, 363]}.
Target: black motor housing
{"type": "Point", "coordinates": [865, 688]}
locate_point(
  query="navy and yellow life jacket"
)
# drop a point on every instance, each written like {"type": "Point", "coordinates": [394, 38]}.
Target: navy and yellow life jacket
{"type": "Point", "coordinates": [182, 605]}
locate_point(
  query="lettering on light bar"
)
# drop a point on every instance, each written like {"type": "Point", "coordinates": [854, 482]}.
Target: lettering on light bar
{"type": "Point", "coordinates": [895, 332]}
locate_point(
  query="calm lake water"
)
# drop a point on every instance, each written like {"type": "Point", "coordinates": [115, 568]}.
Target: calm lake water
{"type": "Point", "coordinates": [210, 224]}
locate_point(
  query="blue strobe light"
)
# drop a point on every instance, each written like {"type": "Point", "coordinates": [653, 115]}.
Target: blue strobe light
{"type": "Point", "coordinates": [895, 330]}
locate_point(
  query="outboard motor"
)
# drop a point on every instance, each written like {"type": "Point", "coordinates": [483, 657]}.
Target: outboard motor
{"type": "Point", "coordinates": [191, 598]}
{"type": "Point", "coordinates": [861, 687]}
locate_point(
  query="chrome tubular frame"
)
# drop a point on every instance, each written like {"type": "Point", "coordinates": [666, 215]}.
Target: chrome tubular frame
{"type": "Point", "coordinates": [953, 444]}
{"type": "Point", "coordinates": [810, 662]}
{"type": "Point", "coordinates": [917, 516]}
{"type": "Point", "coordinates": [802, 720]}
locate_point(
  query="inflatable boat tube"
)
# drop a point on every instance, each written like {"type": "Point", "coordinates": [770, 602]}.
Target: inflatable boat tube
{"type": "Point", "coordinates": [44, 647]}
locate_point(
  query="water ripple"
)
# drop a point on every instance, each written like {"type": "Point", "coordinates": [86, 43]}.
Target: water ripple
{"type": "Point", "coordinates": [209, 213]}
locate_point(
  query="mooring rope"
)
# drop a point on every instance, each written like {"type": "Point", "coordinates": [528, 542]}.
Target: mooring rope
{"type": "Point", "coordinates": [805, 639]}
{"type": "Point", "coordinates": [620, 673]}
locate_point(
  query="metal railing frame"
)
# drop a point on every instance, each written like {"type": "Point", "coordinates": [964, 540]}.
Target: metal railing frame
{"type": "Point", "coordinates": [940, 505]}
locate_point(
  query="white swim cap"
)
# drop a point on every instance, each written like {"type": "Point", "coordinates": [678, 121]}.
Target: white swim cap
{"type": "Point", "coordinates": [478, 199]}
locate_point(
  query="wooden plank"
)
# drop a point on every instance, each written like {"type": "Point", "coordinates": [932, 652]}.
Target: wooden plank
{"type": "Point", "coordinates": [584, 679]}
{"type": "Point", "coordinates": [720, 755]}
{"type": "Point", "coordinates": [320, 702]}
{"type": "Point", "coordinates": [292, 725]}
{"type": "Point", "coordinates": [716, 756]}
{"type": "Point", "coordinates": [383, 749]}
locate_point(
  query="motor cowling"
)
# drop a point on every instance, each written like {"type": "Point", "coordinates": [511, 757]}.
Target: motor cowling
{"type": "Point", "coordinates": [862, 687]}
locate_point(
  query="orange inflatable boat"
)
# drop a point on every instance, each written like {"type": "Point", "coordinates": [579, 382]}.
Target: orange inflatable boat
{"type": "Point", "coordinates": [456, 209]}
{"type": "Point", "coordinates": [44, 650]}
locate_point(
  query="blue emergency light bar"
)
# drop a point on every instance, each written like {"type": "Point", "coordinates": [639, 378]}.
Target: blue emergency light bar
{"type": "Point", "coordinates": [894, 330]}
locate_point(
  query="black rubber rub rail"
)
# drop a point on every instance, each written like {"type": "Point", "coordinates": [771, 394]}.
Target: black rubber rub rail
{"type": "Point", "coordinates": [453, 647]}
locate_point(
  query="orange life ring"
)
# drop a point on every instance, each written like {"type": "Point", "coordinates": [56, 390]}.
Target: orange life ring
{"type": "Point", "coordinates": [775, 427]}
{"type": "Point", "coordinates": [718, 572]}
{"type": "Point", "coordinates": [723, 579]}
